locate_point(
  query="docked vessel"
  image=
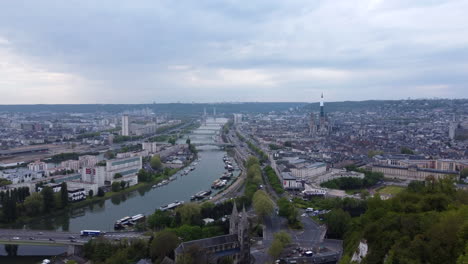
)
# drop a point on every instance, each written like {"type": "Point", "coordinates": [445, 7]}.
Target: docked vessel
{"type": "Point", "coordinates": [171, 205]}
{"type": "Point", "coordinates": [128, 221]}
{"type": "Point", "coordinates": [200, 195]}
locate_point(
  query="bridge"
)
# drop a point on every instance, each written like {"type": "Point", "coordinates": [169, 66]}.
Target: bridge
{"type": "Point", "coordinates": [215, 144]}
{"type": "Point", "coordinates": [73, 240]}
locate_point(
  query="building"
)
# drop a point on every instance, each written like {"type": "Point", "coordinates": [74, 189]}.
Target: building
{"type": "Point", "coordinates": [291, 182]}
{"type": "Point", "coordinates": [322, 125]}
{"type": "Point", "coordinates": [127, 167]}
{"type": "Point", "coordinates": [94, 174]}
{"type": "Point", "coordinates": [412, 172]}
{"type": "Point", "coordinates": [37, 166]}
{"type": "Point", "coordinates": [237, 118]}
{"type": "Point", "coordinates": [56, 187]}
{"type": "Point", "coordinates": [235, 245]}
{"type": "Point", "coordinates": [307, 171]}
{"type": "Point", "coordinates": [151, 147]}
{"type": "Point", "coordinates": [125, 125]}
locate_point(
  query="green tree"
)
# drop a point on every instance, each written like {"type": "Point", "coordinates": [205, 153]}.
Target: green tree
{"type": "Point", "coordinates": [263, 205]}
{"type": "Point", "coordinates": [116, 186]}
{"type": "Point", "coordinates": [90, 193]}
{"type": "Point", "coordinates": [337, 223]}
{"type": "Point", "coordinates": [275, 249]}
{"type": "Point", "coordinates": [163, 244]}
{"type": "Point", "coordinates": [156, 163]}
{"type": "Point", "coordinates": [117, 176]}
{"type": "Point", "coordinates": [64, 194]}
{"type": "Point", "coordinates": [189, 212]}
{"type": "Point", "coordinates": [101, 192]}
{"type": "Point", "coordinates": [283, 237]}
{"type": "Point", "coordinates": [406, 150]}
{"type": "Point", "coordinates": [48, 199]}
{"type": "Point", "coordinates": [464, 173]}
{"type": "Point", "coordinates": [33, 204]}
{"type": "Point", "coordinates": [159, 220]}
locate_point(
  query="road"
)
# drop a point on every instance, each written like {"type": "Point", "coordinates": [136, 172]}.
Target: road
{"type": "Point", "coordinates": [47, 237]}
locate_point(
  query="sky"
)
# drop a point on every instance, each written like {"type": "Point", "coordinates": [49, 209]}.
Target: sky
{"type": "Point", "coordinates": [144, 51]}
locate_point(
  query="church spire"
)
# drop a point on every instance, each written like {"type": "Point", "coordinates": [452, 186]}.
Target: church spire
{"type": "Point", "coordinates": [322, 113]}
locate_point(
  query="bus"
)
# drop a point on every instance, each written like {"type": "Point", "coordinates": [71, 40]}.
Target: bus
{"type": "Point", "coordinates": [90, 232]}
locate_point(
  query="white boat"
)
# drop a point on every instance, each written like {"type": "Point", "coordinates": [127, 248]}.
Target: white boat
{"type": "Point", "coordinates": [171, 205]}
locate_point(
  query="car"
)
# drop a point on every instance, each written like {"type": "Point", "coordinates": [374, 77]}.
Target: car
{"type": "Point", "coordinates": [71, 237]}
{"type": "Point", "coordinates": [40, 233]}
{"type": "Point", "coordinates": [51, 239]}
{"type": "Point", "coordinates": [309, 210]}
{"type": "Point", "coordinates": [16, 238]}
{"type": "Point", "coordinates": [308, 253]}
{"type": "Point", "coordinates": [31, 238]}
{"type": "Point", "coordinates": [73, 240]}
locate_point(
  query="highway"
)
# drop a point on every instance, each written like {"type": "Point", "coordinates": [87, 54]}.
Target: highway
{"type": "Point", "coordinates": [47, 237]}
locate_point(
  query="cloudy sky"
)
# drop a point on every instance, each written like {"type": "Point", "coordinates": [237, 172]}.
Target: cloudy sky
{"type": "Point", "coordinates": [111, 51]}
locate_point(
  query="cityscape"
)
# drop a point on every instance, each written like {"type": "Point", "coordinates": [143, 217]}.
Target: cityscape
{"type": "Point", "coordinates": [221, 132]}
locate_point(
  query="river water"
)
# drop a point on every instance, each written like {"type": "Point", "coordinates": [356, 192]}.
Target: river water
{"type": "Point", "coordinates": [102, 215]}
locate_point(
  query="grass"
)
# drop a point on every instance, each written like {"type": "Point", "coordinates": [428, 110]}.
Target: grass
{"type": "Point", "coordinates": [390, 190]}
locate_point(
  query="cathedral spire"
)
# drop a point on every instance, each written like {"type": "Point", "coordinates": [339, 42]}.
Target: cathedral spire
{"type": "Point", "coordinates": [322, 113]}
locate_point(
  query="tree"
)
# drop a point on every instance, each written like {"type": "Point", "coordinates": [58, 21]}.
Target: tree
{"type": "Point", "coordinates": [90, 193]}
{"type": "Point", "coordinates": [48, 199]}
{"type": "Point", "coordinates": [283, 237]}
{"type": "Point", "coordinates": [159, 220]}
{"type": "Point", "coordinates": [163, 244]}
{"type": "Point", "coordinates": [156, 163]}
{"type": "Point", "coordinates": [33, 204]}
{"type": "Point", "coordinates": [337, 223]}
{"type": "Point", "coordinates": [100, 192]}
{"type": "Point", "coordinates": [172, 140]}
{"type": "Point", "coordinates": [116, 186]}
{"type": "Point", "coordinates": [123, 184]}
{"type": "Point", "coordinates": [188, 141]}
{"type": "Point", "coordinates": [275, 249]}
{"type": "Point", "coordinates": [406, 150]}
{"type": "Point", "coordinates": [464, 173]}
{"type": "Point", "coordinates": [263, 205]}
{"type": "Point", "coordinates": [117, 176]}
{"type": "Point", "coordinates": [189, 212]}
{"type": "Point", "coordinates": [64, 194]}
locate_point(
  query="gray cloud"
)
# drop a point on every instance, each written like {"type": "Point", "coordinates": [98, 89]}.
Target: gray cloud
{"type": "Point", "coordinates": [141, 51]}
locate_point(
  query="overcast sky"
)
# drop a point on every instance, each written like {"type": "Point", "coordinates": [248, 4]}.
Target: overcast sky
{"type": "Point", "coordinates": [110, 51]}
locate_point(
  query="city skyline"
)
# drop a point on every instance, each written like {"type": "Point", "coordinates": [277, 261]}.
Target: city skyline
{"type": "Point", "coordinates": [264, 51]}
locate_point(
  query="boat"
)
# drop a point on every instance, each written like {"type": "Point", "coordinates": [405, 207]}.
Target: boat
{"type": "Point", "coordinates": [171, 205]}
{"type": "Point", "coordinates": [219, 184]}
{"type": "Point", "coordinates": [192, 168]}
{"type": "Point", "coordinates": [154, 186]}
{"type": "Point", "coordinates": [173, 178]}
{"type": "Point", "coordinates": [227, 175]}
{"type": "Point", "coordinates": [201, 195]}
{"type": "Point", "coordinates": [128, 221]}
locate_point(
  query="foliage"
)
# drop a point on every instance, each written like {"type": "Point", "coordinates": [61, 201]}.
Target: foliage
{"type": "Point", "coordinates": [262, 155]}
{"type": "Point", "coordinates": [4, 182]}
{"type": "Point", "coordinates": [281, 240]}
{"type": "Point", "coordinates": [57, 158]}
{"type": "Point", "coordinates": [189, 213]}
{"type": "Point", "coordinates": [254, 177]}
{"type": "Point", "coordinates": [156, 163]}
{"type": "Point", "coordinates": [274, 180]}
{"type": "Point", "coordinates": [163, 244]}
{"type": "Point", "coordinates": [101, 192]}
{"type": "Point", "coordinates": [274, 147]}
{"type": "Point", "coordinates": [48, 199]}
{"type": "Point", "coordinates": [427, 223]}
{"type": "Point", "coordinates": [289, 211]}
{"type": "Point", "coordinates": [337, 223]}
{"type": "Point", "coordinates": [350, 183]}
{"type": "Point", "coordinates": [91, 193]}
{"type": "Point", "coordinates": [101, 251]}
{"type": "Point", "coordinates": [464, 173]}
{"type": "Point", "coordinates": [406, 150]}
{"type": "Point", "coordinates": [262, 204]}
{"type": "Point", "coordinates": [115, 186]}
{"type": "Point", "coordinates": [63, 194]}
{"type": "Point", "coordinates": [117, 176]}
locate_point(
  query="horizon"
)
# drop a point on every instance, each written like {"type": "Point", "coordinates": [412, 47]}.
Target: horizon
{"type": "Point", "coordinates": [121, 52]}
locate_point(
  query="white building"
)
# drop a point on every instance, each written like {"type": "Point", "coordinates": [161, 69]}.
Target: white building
{"type": "Point", "coordinates": [151, 147]}
{"type": "Point", "coordinates": [127, 167]}
{"type": "Point", "coordinates": [96, 174]}
{"type": "Point", "coordinates": [290, 181]}
{"type": "Point", "coordinates": [37, 166]}
{"type": "Point", "coordinates": [125, 126]}
{"type": "Point", "coordinates": [307, 171]}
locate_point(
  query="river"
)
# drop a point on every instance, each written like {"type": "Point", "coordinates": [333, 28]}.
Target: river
{"type": "Point", "coordinates": [102, 215]}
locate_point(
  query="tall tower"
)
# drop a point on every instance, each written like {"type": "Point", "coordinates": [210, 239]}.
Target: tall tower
{"type": "Point", "coordinates": [322, 113]}
{"type": "Point", "coordinates": [125, 128]}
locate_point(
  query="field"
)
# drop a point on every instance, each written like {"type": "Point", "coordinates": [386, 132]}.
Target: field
{"type": "Point", "coordinates": [392, 190]}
